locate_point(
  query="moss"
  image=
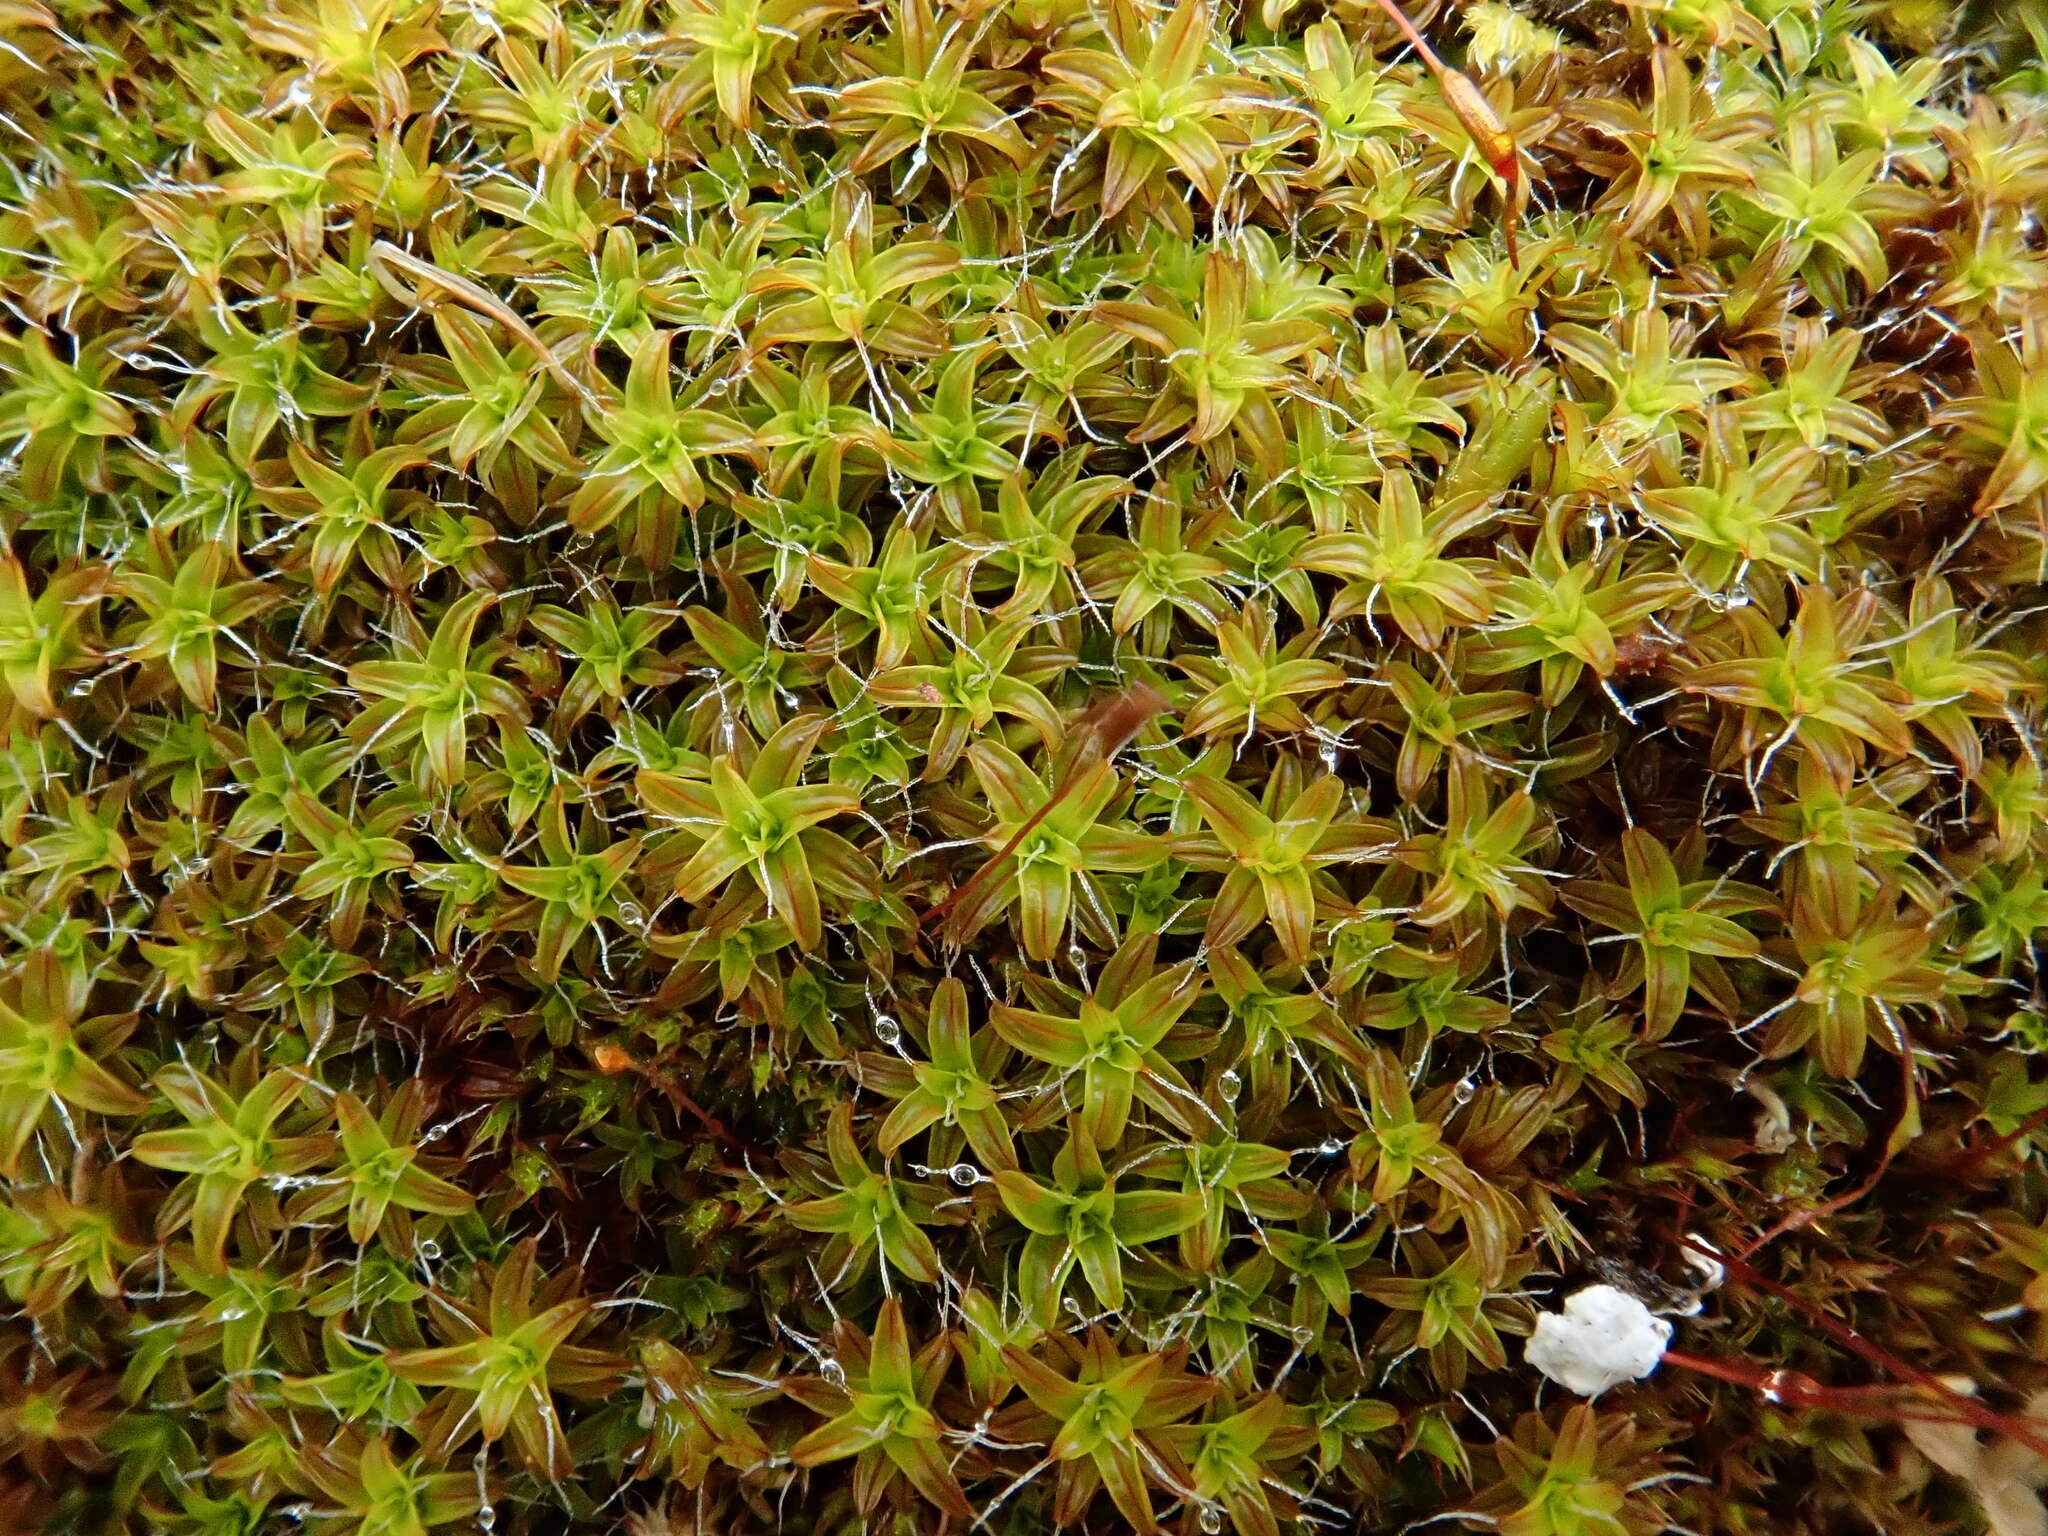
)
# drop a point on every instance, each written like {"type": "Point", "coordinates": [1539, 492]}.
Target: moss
{"type": "Point", "coordinates": [774, 766]}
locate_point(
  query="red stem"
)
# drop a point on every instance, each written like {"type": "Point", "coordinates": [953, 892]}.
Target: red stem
{"type": "Point", "coordinates": [1966, 1408]}
{"type": "Point", "coordinates": [1017, 837]}
{"type": "Point", "coordinates": [1798, 1390]}
{"type": "Point", "coordinates": [1102, 731]}
{"type": "Point", "coordinates": [1415, 38]}
{"type": "Point", "coordinates": [1909, 1095]}
{"type": "Point", "coordinates": [1971, 1160]}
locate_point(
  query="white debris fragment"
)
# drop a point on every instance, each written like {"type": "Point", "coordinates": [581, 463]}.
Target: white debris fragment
{"type": "Point", "coordinates": [1603, 1337]}
{"type": "Point", "coordinates": [2003, 1474]}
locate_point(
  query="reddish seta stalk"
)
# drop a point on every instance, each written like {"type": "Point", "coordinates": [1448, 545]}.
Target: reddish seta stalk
{"type": "Point", "coordinates": [1102, 731]}
{"type": "Point", "coordinates": [1912, 1394]}
{"type": "Point", "coordinates": [1480, 120]}
{"type": "Point", "coordinates": [611, 1060]}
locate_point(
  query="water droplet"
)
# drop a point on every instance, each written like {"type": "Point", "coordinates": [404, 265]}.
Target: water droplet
{"type": "Point", "coordinates": [832, 1371]}
{"type": "Point", "coordinates": [632, 913]}
{"type": "Point", "coordinates": [887, 1030]}
{"type": "Point", "coordinates": [1331, 1147]}
{"type": "Point", "coordinates": [1464, 1090]}
{"type": "Point", "coordinates": [1303, 1335]}
{"type": "Point", "coordinates": [1168, 123]}
{"type": "Point", "coordinates": [430, 1250]}
{"type": "Point", "coordinates": [1070, 1305]}
{"type": "Point", "coordinates": [966, 1175]}
{"type": "Point", "coordinates": [1211, 1519]}
{"type": "Point", "coordinates": [487, 1513]}
{"type": "Point", "coordinates": [1229, 1085]}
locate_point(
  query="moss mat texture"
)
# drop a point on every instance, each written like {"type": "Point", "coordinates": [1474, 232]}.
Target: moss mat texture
{"type": "Point", "coordinates": [773, 766]}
